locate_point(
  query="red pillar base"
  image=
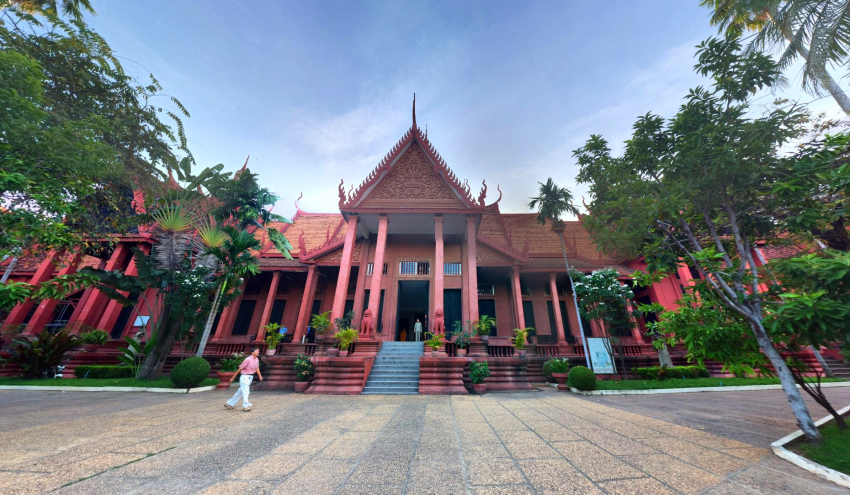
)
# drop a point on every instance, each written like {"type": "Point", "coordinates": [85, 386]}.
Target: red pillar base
{"type": "Point", "coordinates": [338, 376]}
{"type": "Point", "coordinates": [441, 376]}
{"type": "Point", "coordinates": [367, 347]}
{"type": "Point", "coordinates": [279, 373]}
{"type": "Point", "coordinates": [508, 374]}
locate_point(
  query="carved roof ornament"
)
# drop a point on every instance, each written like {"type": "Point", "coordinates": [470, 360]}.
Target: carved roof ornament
{"type": "Point", "coordinates": [298, 208]}
{"type": "Point", "coordinates": [441, 168]}
{"type": "Point", "coordinates": [483, 193]}
{"type": "Point", "coordinates": [245, 166]}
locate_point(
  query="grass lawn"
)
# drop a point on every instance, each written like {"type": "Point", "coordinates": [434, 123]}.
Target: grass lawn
{"type": "Point", "coordinates": [163, 382]}
{"type": "Point", "coordinates": [833, 452]}
{"type": "Point", "coordinates": [689, 383]}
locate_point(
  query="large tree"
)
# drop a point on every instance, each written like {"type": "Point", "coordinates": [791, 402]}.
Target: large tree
{"type": "Point", "coordinates": [695, 188]}
{"type": "Point", "coordinates": [818, 31]}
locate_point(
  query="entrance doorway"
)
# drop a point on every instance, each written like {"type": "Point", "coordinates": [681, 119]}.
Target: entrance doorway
{"type": "Point", "coordinates": [412, 305]}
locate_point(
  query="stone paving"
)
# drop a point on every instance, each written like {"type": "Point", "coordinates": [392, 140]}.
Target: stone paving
{"type": "Point", "coordinates": [533, 442]}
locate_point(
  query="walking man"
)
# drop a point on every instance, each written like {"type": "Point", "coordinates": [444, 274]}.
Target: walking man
{"type": "Point", "coordinates": [249, 366]}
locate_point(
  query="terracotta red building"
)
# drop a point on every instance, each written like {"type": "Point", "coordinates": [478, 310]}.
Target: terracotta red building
{"type": "Point", "coordinates": [410, 239]}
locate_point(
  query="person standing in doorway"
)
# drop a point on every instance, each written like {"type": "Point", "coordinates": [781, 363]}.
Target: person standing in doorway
{"type": "Point", "coordinates": [417, 329]}
{"type": "Point", "coordinates": [249, 366]}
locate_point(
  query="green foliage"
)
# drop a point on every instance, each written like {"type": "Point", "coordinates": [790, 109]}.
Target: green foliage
{"type": "Point", "coordinates": [520, 337]}
{"type": "Point", "coordinates": [134, 354]}
{"type": "Point", "coordinates": [604, 299]}
{"type": "Point", "coordinates": [13, 293]}
{"type": "Point", "coordinates": [321, 322]}
{"type": "Point", "coordinates": [436, 341]}
{"type": "Point", "coordinates": [582, 378]}
{"type": "Point", "coordinates": [346, 337]}
{"type": "Point", "coordinates": [484, 324]}
{"type": "Point", "coordinates": [273, 337]}
{"type": "Point", "coordinates": [478, 371]}
{"type": "Point", "coordinates": [103, 371]}
{"type": "Point", "coordinates": [94, 337]}
{"type": "Point", "coordinates": [461, 337]}
{"type": "Point", "coordinates": [231, 364]}
{"type": "Point", "coordinates": [190, 372]}
{"type": "Point", "coordinates": [303, 368]}
{"type": "Point", "coordinates": [346, 321]}
{"type": "Point", "coordinates": [552, 203]}
{"type": "Point", "coordinates": [660, 373]}
{"type": "Point", "coordinates": [38, 355]}
{"type": "Point", "coordinates": [555, 365]}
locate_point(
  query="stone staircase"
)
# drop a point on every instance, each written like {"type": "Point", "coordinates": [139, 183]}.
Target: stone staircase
{"type": "Point", "coordinates": [839, 368]}
{"type": "Point", "coordinates": [396, 369]}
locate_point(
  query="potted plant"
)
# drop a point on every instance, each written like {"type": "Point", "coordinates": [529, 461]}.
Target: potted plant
{"type": "Point", "coordinates": [321, 323]}
{"type": "Point", "coordinates": [94, 339]}
{"type": "Point", "coordinates": [558, 368]}
{"type": "Point", "coordinates": [273, 338]}
{"type": "Point", "coordinates": [462, 342]}
{"type": "Point", "coordinates": [229, 367]}
{"type": "Point", "coordinates": [478, 371]}
{"type": "Point", "coordinates": [435, 342]}
{"type": "Point", "coordinates": [345, 337]}
{"type": "Point", "coordinates": [520, 336]}
{"type": "Point", "coordinates": [484, 325]}
{"type": "Point", "coordinates": [303, 373]}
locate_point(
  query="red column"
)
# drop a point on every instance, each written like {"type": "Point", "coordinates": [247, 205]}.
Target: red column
{"type": "Point", "coordinates": [439, 263]}
{"type": "Point", "coordinates": [44, 313]}
{"type": "Point", "coordinates": [344, 269]}
{"type": "Point", "coordinates": [472, 267]}
{"type": "Point", "coordinates": [228, 318]}
{"type": "Point", "coordinates": [360, 290]}
{"type": "Point", "coordinates": [113, 307]}
{"type": "Point", "coordinates": [42, 274]}
{"type": "Point", "coordinates": [517, 290]}
{"type": "Point", "coordinates": [267, 309]}
{"type": "Point", "coordinates": [306, 304]}
{"type": "Point", "coordinates": [90, 308]}
{"type": "Point", "coordinates": [464, 268]}
{"type": "Point", "coordinates": [377, 271]}
{"type": "Point", "coordinates": [556, 307]}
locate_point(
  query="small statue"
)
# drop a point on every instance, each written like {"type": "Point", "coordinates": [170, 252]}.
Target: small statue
{"type": "Point", "coordinates": [439, 324]}
{"type": "Point", "coordinates": [366, 323]}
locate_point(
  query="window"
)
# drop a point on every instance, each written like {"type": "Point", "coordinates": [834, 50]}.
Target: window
{"type": "Point", "coordinates": [486, 290]}
{"type": "Point", "coordinates": [370, 266]}
{"type": "Point", "coordinates": [252, 288]}
{"type": "Point", "coordinates": [320, 289]}
{"type": "Point", "coordinates": [547, 291]}
{"type": "Point", "coordinates": [243, 318]}
{"type": "Point", "coordinates": [452, 269]}
{"type": "Point", "coordinates": [526, 291]}
{"type": "Point", "coordinates": [282, 290]}
{"type": "Point", "coordinates": [414, 267]}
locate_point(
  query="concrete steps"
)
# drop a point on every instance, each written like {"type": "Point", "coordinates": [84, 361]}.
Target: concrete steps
{"type": "Point", "coordinates": [396, 370]}
{"type": "Point", "coordinates": [839, 368]}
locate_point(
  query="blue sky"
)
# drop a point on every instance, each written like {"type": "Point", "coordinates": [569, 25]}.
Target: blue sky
{"type": "Point", "coordinates": [319, 91]}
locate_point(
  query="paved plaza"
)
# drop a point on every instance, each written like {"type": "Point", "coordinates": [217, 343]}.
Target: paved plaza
{"type": "Point", "coordinates": [533, 442]}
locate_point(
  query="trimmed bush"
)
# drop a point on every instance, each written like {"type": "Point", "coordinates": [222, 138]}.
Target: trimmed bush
{"type": "Point", "coordinates": [190, 372]}
{"type": "Point", "coordinates": [555, 365]}
{"type": "Point", "coordinates": [582, 378]}
{"type": "Point", "coordinates": [659, 373]}
{"type": "Point", "coordinates": [94, 337]}
{"type": "Point", "coordinates": [103, 371]}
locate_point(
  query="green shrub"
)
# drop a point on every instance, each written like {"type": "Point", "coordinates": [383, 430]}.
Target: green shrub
{"type": "Point", "coordinates": [659, 373]}
{"type": "Point", "coordinates": [103, 371]}
{"type": "Point", "coordinates": [555, 365]}
{"type": "Point", "coordinates": [231, 364]}
{"type": "Point", "coordinates": [582, 378]}
{"type": "Point", "coordinates": [94, 337]}
{"type": "Point", "coordinates": [478, 371]}
{"type": "Point", "coordinates": [42, 353]}
{"type": "Point", "coordinates": [190, 372]}
{"type": "Point", "coordinates": [303, 368]}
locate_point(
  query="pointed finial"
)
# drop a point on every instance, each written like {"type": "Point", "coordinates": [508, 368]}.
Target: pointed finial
{"type": "Point", "coordinates": [414, 111]}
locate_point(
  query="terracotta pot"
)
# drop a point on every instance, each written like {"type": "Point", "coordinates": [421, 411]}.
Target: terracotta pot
{"type": "Point", "coordinates": [333, 352]}
{"type": "Point", "coordinates": [300, 387]}
{"type": "Point", "coordinates": [319, 338]}
{"type": "Point", "coordinates": [561, 378]}
{"type": "Point", "coordinates": [434, 352]}
{"type": "Point", "coordinates": [520, 353]}
{"type": "Point", "coordinates": [461, 353]}
{"type": "Point", "coordinates": [485, 338]}
{"type": "Point", "coordinates": [479, 388]}
{"type": "Point", "coordinates": [224, 376]}
{"type": "Point", "coordinates": [270, 352]}
{"type": "Point", "coordinates": [91, 347]}
{"type": "Point", "coordinates": [343, 353]}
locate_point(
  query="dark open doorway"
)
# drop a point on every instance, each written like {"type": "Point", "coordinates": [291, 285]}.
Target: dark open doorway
{"type": "Point", "coordinates": [412, 305]}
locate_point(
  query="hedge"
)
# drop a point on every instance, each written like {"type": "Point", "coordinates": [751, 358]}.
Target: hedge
{"type": "Point", "coordinates": [103, 371]}
{"type": "Point", "coordinates": [582, 378]}
{"type": "Point", "coordinates": [190, 372]}
{"type": "Point", "coordinates": [659, 373]}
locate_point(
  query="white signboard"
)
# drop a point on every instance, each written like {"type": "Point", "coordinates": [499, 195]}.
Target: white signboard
{"type": "Point", "coordinates": [600, 358]}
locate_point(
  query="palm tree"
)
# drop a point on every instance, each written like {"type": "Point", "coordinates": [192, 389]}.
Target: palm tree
{"type": "Point", "coordinates": [816, 30]}
{"type": "Point", "coordinates": [552, 202]}
{"type": "Point", "coordinates": [235, 253]}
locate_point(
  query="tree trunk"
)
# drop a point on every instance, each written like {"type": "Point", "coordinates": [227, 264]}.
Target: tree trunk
{"type": "Point", "coordinates": [210, 319]}
{"type": "Point", "coordinates": [789, 386]}
{"type": "Point", "coordinates": [834, 89]}
{"type": "Point", "coordinates": [165, 338]}
{"type": "Point", "coordinates": [575, 300]}
{"type": "Point", "coordinates": [664, 356]}
{"type": "Point", "coordinates": [9, 270]}
{"type": "Point", "coordinates": [826, 369]}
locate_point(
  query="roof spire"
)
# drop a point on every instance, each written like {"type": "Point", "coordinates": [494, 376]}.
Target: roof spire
{"type": "Point", "coordinates": [414, 111]}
